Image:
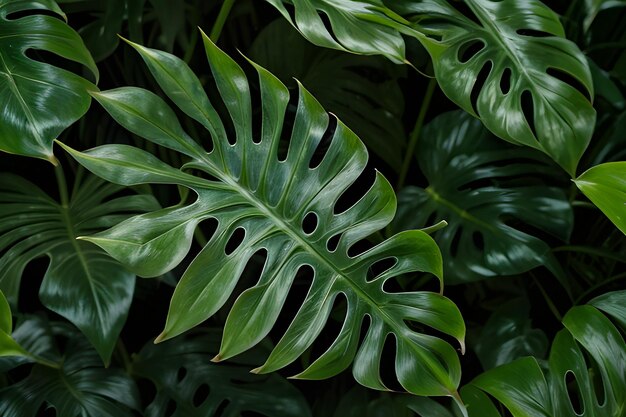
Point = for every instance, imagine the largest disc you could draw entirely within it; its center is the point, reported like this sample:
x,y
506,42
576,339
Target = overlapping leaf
x,y
79,386
586,376
183,374
474,184
265,201
82,283
33,93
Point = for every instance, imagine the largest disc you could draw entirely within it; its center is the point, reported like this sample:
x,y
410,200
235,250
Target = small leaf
x,y
605,186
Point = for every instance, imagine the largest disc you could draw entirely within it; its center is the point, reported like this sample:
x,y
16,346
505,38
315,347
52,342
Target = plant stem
x,y
45,362
599,285
58,171
216,31
551,305
415,134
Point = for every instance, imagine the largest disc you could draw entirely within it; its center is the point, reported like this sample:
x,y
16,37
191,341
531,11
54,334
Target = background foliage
x,y
504,119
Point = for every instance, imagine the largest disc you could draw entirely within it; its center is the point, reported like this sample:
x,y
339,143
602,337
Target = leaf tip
x,y
160,338
217,358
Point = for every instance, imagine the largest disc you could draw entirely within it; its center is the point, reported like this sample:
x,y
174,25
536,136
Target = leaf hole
x,y
534,33
399,283
324,144
478,85
573,392
287,129
46,410
529,111
379,267
359,247
309,223
180,375
170,409
387,368
356,191
505,81
478,240
201,394
465,10
208,227
148,391
48,57
220,411
235,240
570,80
257,114
23,13
470,49
331,329
333,242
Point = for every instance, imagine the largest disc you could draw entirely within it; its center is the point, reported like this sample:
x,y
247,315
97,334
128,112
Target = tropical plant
x,y
473,149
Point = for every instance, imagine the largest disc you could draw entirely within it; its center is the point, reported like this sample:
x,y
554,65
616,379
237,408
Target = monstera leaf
x,y
362,91
183,374
82,283
78,386
589,382
474,185
282,209
39,100
513,68
605,185
360,26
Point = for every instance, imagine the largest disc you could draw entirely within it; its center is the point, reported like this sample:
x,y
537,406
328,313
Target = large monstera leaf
x,y
76,386
183,374
474,184
586,375
265,202
39,100
82,283
514,54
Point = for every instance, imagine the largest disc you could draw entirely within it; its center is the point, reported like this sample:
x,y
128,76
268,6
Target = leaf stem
x,y
58,171
415,134
216,31
45,362
549,302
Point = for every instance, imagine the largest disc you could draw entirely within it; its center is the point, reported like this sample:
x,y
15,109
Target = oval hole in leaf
x,y
180,375
569,79
454,244
573,392
235,240
378,267
201,394
505,81
478,85
478,240
46,410
529,111
208,227
333,242
359,247
221,408
170,409
469,49
324,144
148,391
287,129
309,223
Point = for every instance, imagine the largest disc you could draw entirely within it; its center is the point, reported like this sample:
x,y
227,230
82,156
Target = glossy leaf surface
x,y
474,185
33,92
81,283
587,369
8,345
605,185
264,201
79,387
182,372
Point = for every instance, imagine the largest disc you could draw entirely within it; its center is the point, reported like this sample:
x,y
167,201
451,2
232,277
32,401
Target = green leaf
x,y
520,49
605,186
182,373
360,26
482,188
587,369
34,336
362,91
508,335
80,387
81,283
267,200
8,345
33,92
